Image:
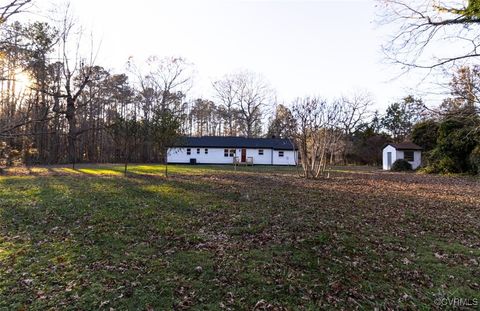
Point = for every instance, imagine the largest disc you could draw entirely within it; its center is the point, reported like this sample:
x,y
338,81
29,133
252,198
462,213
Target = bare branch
x,y
11,8
424,28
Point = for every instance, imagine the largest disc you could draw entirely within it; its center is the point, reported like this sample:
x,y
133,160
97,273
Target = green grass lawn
x,y
211,238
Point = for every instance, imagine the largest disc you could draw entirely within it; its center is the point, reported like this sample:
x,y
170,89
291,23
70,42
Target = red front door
x,y
244,155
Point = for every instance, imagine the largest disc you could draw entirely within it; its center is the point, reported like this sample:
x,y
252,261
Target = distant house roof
x,y
235,142
404,146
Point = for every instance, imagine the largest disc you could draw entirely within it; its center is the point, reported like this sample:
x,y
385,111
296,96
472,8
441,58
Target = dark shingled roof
x,y
235,142
405,146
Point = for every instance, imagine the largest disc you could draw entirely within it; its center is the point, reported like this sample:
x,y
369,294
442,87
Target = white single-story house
x,y
230,150
408,151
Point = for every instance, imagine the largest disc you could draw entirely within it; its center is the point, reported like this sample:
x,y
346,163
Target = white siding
x,y
265,159
386,150
399,154
417,158
289,157
216,156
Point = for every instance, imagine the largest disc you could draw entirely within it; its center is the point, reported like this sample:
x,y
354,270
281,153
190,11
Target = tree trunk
x,y
72,130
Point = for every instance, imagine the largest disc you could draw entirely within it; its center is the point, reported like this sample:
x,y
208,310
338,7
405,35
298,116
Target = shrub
x,y
401,165
447,165
455,144
475,160
429,169
425,134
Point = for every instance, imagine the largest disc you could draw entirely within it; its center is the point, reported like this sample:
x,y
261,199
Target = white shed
x,y
408,151
229,150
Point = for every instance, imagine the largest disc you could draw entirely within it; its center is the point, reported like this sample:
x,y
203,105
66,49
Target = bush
x,y
401,165
447,165
475,160
425,134
429,169
455,144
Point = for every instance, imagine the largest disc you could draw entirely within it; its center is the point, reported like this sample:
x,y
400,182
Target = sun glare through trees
x,y
239,155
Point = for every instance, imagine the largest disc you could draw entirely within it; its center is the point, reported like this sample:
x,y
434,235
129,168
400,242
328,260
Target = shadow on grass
x,y
81,242
93,243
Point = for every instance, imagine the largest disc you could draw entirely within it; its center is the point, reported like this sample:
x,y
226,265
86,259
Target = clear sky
x,y
325,48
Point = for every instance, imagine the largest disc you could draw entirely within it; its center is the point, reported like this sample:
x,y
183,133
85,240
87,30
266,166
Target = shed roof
x,y
404,146
235,142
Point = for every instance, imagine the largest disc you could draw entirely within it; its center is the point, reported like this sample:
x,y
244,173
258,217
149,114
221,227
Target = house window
x,y
189,151
229,152
206,151
280,154
260,151
408,155
198,150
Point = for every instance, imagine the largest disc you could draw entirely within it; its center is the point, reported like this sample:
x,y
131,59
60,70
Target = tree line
x,y
57,105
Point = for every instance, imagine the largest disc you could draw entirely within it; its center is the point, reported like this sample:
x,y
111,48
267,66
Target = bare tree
x,y
317,130
56,106
353,111
226,92
76,74
162,90
430,33
170,76
253,95
282,124
464,103
165,80
204,117
247,92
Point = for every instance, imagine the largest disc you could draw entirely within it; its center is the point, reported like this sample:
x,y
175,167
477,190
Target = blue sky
x,y
325,48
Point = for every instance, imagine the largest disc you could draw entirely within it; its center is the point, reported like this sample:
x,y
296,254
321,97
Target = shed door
x,y
389,160
244,155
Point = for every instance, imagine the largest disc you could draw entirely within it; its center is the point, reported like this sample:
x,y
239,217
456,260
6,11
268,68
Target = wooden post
x,y
166,163
126,147
74,157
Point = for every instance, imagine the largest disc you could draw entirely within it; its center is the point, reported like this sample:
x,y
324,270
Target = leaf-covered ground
x,y
211,238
